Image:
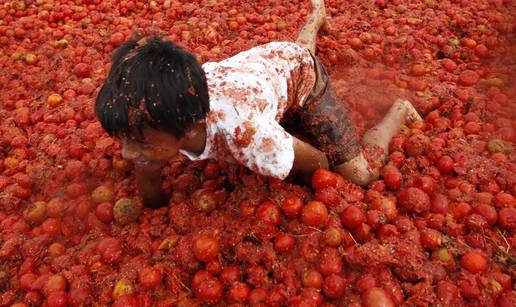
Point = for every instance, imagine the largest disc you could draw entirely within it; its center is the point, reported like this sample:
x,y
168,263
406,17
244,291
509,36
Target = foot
x,y
319,12
411,113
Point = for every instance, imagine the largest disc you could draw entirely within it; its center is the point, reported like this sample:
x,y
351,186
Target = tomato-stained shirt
x,y
249,94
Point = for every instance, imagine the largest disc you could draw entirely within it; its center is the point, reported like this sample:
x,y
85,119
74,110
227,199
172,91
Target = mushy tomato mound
x,y
437,228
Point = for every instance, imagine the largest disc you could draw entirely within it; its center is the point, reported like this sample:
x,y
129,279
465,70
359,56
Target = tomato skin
x,y
110,249
314,214
334,286
239,292
209,290
447,292
292,206
439,204
445,164
507,218
328,195
230,274
269,213
284,243
104,212
51,226
449,178
204,200
57,299
426,183
205,248
323,178
431,238
474,262
330,263
82,70
144,300
506,299
199,277
392,177
150,277
376,297
365,282
488,213
126,301
333,236
55,283
80,296
312,279
468,78
352,217
27,280
415,200
257,296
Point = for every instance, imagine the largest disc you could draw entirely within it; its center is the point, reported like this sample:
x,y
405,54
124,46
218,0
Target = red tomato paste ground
x,y
437,229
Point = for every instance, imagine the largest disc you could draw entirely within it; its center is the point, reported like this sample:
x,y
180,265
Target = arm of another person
x,y
307,158
148,179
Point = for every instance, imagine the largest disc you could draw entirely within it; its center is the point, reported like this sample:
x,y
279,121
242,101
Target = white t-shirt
x,y
249,94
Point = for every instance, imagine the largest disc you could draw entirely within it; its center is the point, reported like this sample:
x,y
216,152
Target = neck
x,y
195,139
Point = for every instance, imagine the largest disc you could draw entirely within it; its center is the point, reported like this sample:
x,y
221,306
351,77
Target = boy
x,y
158,100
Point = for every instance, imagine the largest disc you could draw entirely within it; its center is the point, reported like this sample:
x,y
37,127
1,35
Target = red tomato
x,y
392,177
468,78
209,290
329,195
55,283
312,279
230,275
26,281
126,301
431,238
269,213
323,178
110,250
474,262
445,164
334,286
314,214
205,248
257,296
104,212
57,299
239,292
284,242
51,226
376,297
150,277
352,217
292,206
415,200
507,218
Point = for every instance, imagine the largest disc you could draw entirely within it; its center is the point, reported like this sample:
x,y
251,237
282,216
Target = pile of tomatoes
x,y
437,228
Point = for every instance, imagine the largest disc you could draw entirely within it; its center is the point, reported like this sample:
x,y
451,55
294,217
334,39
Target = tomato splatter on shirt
x,y
249,94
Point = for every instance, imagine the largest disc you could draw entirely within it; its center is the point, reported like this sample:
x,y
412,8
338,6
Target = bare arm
x,y
307,158
148,179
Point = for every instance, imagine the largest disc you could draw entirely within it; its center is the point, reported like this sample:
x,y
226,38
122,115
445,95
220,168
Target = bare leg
x,y
380,135
317,19
358,169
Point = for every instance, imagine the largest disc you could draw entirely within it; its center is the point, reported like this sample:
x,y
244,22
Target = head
x,y
154,94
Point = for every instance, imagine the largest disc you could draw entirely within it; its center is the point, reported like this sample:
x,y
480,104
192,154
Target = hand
x,y
308,158
148,178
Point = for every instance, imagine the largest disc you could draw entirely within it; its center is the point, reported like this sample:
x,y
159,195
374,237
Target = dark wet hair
x,y
152,83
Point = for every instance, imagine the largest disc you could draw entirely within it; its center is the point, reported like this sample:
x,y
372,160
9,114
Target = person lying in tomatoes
x,y
158,100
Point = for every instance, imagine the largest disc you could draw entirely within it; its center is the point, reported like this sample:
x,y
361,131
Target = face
x,y
158,146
